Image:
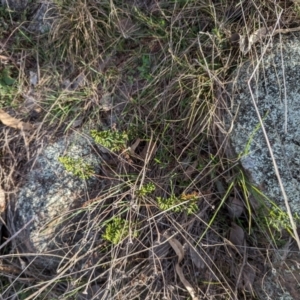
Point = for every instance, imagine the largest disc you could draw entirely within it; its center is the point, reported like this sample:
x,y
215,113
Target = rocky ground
x,y
134,164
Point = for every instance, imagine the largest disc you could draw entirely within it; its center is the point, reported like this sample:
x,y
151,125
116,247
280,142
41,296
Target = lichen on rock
x,y
50,192
274,87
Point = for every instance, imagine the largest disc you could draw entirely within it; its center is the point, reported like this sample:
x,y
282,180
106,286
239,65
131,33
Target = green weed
x,y
177,204
110,139
8,88
146,189
145,68
5,77
77,166
279,219
297,9
117,230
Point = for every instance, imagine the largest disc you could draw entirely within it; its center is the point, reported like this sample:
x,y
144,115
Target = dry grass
x,y
166,65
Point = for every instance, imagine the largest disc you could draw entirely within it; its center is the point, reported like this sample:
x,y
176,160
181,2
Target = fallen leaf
x,y
235,207
237,235
9,121
4,57
178,248
77,122
134,146
234,38
2,208
2,200
187,285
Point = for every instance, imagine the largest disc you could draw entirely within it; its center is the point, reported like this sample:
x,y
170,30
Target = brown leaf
x,y
77,122
2,200
234,38
4,57
134,146
9,121
186,284
178,248
236,235
235,207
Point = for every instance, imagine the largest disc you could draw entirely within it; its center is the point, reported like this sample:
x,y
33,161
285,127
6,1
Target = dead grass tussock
x,y
166,65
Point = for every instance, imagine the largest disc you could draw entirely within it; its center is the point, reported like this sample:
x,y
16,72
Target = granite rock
x,y
50,192
274,88
43,17
266,90
16,5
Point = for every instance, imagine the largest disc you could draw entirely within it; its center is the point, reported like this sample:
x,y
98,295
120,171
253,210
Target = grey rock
x,y
276,92
43,17
50,192
16,5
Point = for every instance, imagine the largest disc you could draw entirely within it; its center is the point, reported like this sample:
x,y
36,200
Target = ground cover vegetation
x,y
178,220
